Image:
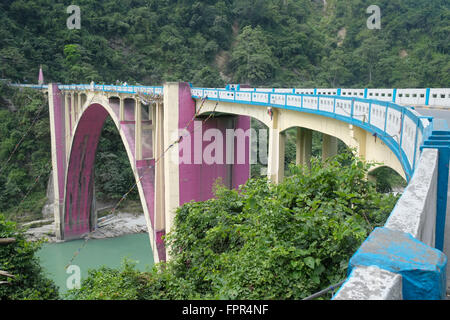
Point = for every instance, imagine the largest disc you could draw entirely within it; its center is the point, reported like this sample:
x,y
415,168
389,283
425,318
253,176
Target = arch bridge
x,y
164,130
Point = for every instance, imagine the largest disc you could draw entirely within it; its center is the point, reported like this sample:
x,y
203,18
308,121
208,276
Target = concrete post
x,y
171,170
79,105
275,163
138,130
58,131
73,113
121,109
158,150
67,121
329,146
303,147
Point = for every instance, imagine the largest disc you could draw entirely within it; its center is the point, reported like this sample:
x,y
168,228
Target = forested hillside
x,y
299,43
210,43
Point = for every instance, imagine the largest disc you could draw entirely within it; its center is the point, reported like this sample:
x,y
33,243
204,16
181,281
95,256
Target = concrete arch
x,y
78,193
367,146
257,112
381,165
260,114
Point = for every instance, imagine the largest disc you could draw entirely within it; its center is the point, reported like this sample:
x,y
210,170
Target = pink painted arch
x,y
79,186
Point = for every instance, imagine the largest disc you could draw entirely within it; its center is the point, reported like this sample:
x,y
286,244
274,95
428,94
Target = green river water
x,y
97,252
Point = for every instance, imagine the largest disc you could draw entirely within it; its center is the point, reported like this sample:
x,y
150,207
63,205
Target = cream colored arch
x,y
368,147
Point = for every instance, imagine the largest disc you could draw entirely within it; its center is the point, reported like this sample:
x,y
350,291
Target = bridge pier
x,y
329,146
303,147
275,159
188,173
58,132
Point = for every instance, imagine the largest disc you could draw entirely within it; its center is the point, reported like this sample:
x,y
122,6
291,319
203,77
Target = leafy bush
x,y
18,258
263,241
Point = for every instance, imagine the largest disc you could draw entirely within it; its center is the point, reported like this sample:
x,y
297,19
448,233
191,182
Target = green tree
x,y
263,241
19,259
252,59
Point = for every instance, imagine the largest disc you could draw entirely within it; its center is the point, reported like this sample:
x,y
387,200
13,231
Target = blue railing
x,y
401,128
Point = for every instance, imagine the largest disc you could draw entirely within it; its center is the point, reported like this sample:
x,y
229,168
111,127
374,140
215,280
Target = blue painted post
x,y
365,93
422,268
351,110
440,140
338,91
441,205
427,96
394,95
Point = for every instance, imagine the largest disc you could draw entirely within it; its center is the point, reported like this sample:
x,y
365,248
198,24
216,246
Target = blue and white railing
x,y
401,128
410,97
114,88
414,97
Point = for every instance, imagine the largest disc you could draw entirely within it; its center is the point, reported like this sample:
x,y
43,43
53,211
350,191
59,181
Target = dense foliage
x,y
24,152
209,43
18,259
299,43
301,232
264,241
113,174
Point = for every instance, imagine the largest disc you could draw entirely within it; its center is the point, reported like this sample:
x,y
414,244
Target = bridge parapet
x,y
401,128
399,261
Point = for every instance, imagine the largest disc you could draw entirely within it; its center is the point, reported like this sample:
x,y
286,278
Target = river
x,y
96,252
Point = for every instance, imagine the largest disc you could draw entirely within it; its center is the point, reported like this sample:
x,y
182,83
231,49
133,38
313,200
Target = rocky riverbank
x,y
117,225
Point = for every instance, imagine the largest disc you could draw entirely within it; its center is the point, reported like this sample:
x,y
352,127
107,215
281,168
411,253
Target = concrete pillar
x,y
186,179
329,146
68,124
157,116
121,109
358,140
79,105
303,146
275,161
73,111
138,130
58,131
171,167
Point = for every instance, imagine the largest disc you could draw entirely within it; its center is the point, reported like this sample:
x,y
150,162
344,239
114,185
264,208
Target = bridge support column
x,y
138,130
68,121
329,146
275,161
303,147
58,132
195,159
72,109
121,109
79,105
359,137
158,149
